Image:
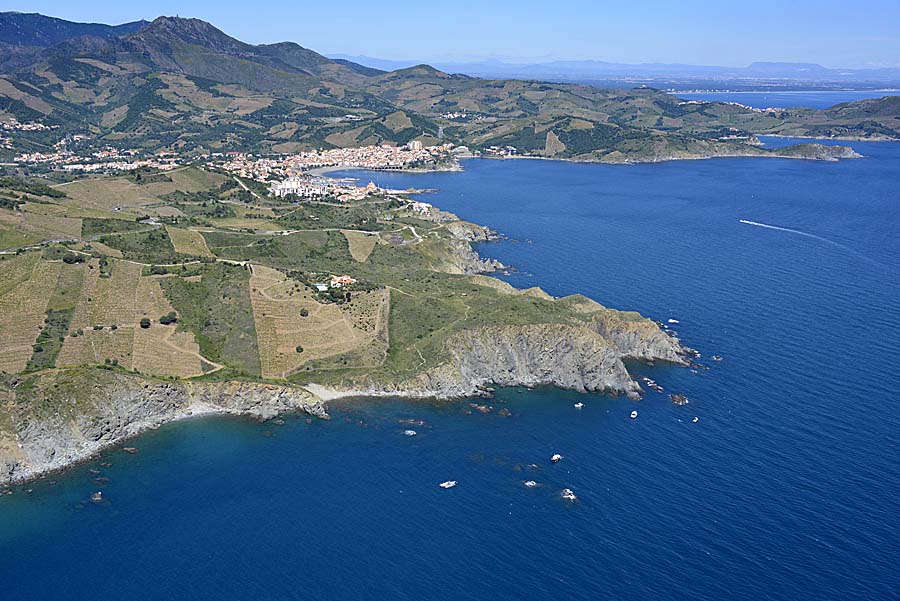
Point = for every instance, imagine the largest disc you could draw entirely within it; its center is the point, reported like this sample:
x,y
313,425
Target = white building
x,y
300,187
421,208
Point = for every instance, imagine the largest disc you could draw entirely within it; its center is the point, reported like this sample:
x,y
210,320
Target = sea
x,y
817,99
779,480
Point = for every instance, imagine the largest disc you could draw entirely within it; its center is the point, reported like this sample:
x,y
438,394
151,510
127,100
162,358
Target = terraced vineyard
x,y
160,288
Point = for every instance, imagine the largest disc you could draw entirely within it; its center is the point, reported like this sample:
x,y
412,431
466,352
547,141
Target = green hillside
x,y
182,84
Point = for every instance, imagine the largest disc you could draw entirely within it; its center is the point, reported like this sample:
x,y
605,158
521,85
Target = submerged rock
x,y
679,399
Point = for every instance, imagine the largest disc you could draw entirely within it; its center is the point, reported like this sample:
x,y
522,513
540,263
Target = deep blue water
x,y
817,99
787,488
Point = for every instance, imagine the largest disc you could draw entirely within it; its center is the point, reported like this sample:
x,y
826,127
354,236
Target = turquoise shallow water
x,y
787,488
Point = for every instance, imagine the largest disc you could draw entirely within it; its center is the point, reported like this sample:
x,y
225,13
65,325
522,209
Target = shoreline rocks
x,y
98,409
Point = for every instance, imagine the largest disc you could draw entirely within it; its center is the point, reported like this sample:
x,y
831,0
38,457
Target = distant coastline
x,y
321,171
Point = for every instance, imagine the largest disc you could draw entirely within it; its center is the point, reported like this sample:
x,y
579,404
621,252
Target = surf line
x,y
808,235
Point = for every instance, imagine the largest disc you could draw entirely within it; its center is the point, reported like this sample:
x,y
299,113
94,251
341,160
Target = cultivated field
x,y
188,242
22,312
108,193
107,301
361,245
97,346
162,351
327,330
123,299
239,223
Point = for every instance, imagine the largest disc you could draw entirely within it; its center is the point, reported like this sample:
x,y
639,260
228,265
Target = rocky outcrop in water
x,y
70,415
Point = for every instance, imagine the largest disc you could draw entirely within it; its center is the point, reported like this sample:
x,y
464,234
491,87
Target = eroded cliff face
x,y
571,357
464,259
67,416
587,356
461,257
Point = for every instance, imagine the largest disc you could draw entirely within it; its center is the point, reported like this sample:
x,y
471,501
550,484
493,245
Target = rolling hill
x,y
182,84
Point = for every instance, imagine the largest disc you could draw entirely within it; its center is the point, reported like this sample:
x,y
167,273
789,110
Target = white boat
x,y
530,483
634,415
674,321
409,432
448,484
695,420
579,405
568,495
555,458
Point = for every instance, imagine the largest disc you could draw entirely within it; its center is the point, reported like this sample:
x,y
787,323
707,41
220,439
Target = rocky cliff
x,y
461,257
587,357
60,417
67,416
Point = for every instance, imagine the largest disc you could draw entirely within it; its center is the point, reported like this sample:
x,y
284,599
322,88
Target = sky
x,y
833,33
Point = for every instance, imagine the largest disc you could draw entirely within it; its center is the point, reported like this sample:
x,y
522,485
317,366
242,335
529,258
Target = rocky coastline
x,y
71,415
578,358
62,417
808,151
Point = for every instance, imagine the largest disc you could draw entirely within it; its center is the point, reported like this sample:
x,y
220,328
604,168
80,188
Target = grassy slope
x,y
213,299
237,97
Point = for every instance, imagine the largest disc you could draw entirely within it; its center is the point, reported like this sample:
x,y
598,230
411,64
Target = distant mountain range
x,y
33,29
184,85
589,70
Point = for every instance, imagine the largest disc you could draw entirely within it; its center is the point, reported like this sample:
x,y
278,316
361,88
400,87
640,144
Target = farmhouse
x,y
341,280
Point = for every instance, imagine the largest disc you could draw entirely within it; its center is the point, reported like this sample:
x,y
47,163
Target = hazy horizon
x,y
831,34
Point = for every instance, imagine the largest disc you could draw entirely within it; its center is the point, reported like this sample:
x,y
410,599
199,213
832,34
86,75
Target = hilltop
x,y
182,84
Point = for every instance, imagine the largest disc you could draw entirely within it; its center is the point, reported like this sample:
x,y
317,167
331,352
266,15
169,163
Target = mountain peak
x,y
421,71
192,31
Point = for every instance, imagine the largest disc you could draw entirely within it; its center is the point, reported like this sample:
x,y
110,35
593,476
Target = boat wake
x,y
787,229
808,235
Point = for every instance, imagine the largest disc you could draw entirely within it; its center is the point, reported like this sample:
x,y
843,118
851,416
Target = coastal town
x,y
106,159
411,156
293,176
301,176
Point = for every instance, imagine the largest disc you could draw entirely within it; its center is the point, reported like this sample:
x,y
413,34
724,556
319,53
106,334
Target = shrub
x,y
72,258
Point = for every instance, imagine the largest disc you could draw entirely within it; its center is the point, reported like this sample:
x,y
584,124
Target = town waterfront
x,y
787,487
